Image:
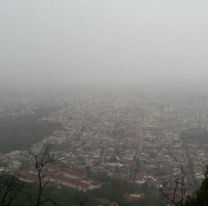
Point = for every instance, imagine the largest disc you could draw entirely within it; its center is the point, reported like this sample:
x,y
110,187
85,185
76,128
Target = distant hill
x,y
21,132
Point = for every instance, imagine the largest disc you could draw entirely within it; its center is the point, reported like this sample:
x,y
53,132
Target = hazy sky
x,y
59,41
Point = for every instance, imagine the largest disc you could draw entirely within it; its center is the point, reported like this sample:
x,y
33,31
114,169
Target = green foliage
x,y
201,196
10,188
63,196
114,190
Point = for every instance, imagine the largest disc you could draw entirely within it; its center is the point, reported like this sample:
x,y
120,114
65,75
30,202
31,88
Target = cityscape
x,y
142,137
103,103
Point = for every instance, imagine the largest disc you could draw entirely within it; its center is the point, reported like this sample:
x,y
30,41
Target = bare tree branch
x,y
10,187
175,191
42,160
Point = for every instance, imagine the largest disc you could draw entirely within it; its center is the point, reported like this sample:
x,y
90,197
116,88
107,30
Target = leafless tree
x,y
42,160
10,187
175,191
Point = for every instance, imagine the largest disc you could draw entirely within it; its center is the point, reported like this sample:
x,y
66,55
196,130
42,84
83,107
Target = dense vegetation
x,y
113,191
201,196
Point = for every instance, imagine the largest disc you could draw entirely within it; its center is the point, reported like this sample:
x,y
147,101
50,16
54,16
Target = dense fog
x,y
88,42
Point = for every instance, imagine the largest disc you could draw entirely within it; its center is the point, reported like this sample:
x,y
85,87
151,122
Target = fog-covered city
x,y
103,103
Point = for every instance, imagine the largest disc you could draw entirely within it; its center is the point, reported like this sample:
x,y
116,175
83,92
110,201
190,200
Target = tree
x,y
201,196
10,187
176,191
42,160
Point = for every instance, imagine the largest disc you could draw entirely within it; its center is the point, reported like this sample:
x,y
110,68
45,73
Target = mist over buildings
x,y
54,43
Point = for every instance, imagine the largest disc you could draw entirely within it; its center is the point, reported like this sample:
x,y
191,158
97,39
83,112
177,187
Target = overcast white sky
x,y
58,41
